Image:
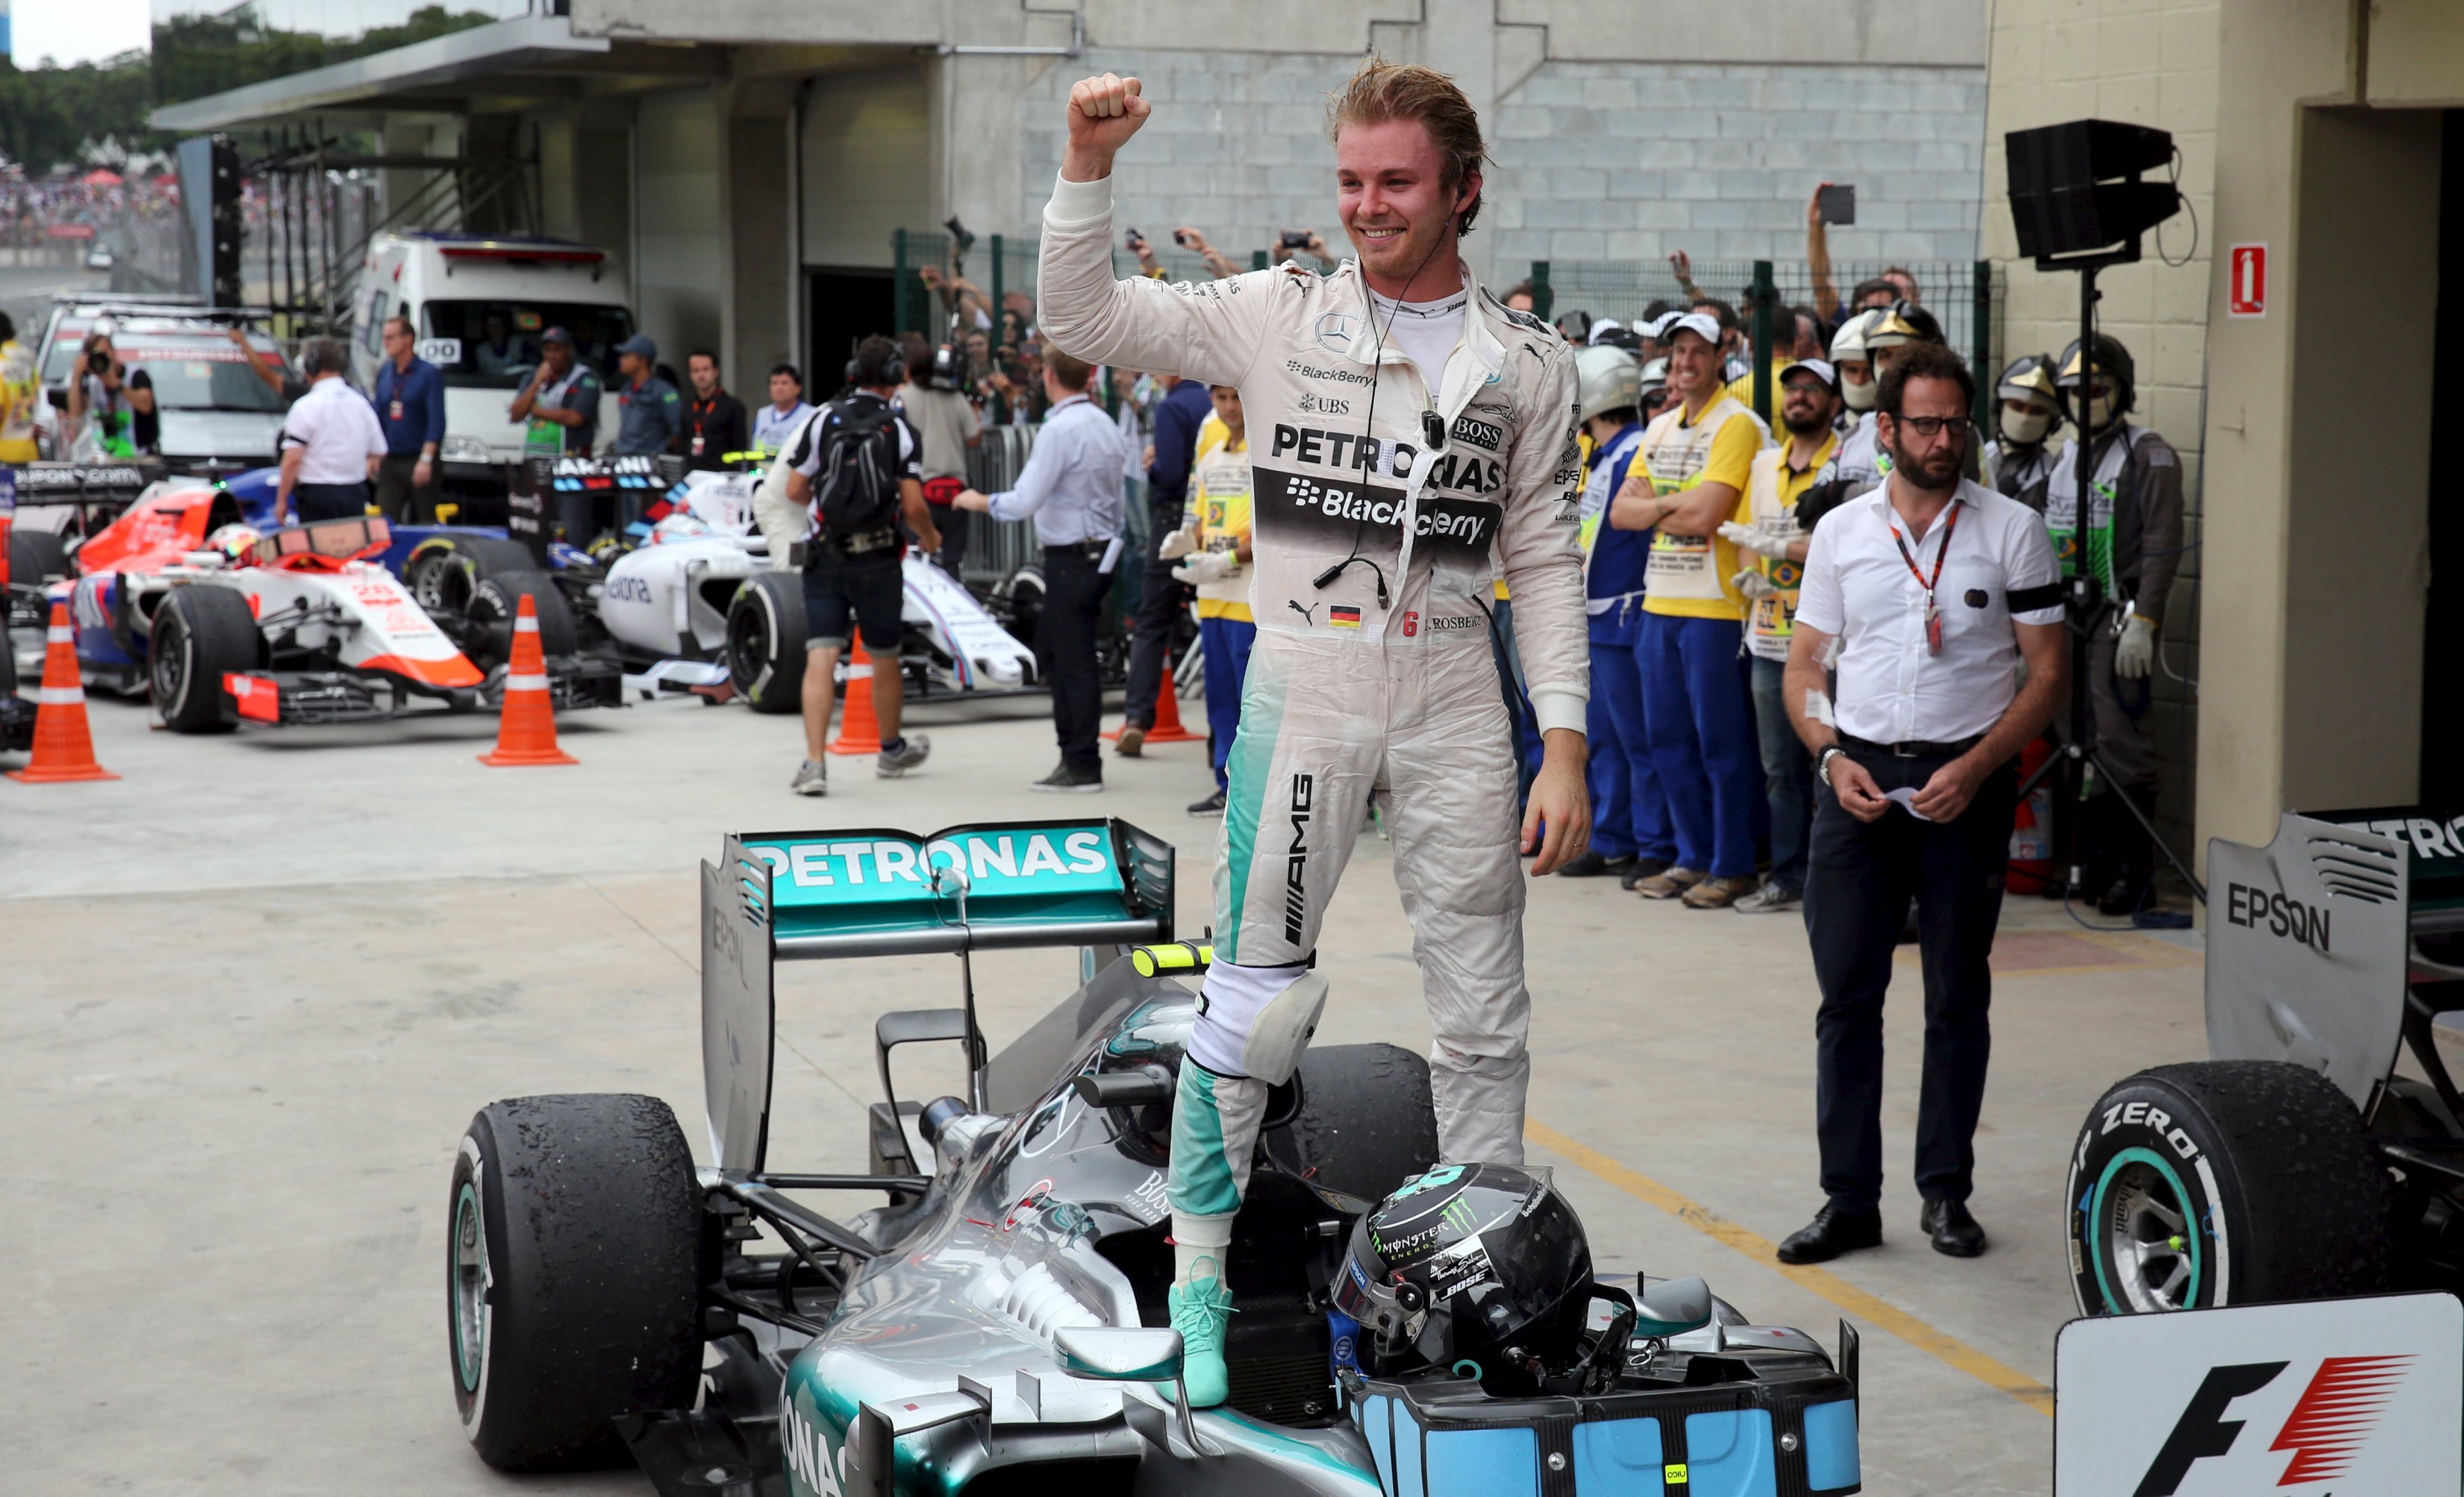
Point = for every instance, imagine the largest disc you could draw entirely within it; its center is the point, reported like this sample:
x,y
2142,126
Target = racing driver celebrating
x,y
1409,434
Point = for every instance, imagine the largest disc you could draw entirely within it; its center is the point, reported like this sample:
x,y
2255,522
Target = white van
x,y
479,305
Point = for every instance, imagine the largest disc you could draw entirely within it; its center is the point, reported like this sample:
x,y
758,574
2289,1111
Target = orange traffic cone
x,y
859,729
64,747
527,724
1167,727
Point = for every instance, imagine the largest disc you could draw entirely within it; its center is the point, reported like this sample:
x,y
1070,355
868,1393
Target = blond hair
x,y
1380,90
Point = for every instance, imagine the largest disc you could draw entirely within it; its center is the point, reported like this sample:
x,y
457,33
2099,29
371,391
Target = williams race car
x,y
224,625
997,1323
700,586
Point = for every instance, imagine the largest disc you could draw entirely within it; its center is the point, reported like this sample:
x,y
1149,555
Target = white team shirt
x,y
338,428
1857,588
1425,331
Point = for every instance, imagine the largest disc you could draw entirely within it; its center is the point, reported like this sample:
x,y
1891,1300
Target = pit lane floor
x,y
256,987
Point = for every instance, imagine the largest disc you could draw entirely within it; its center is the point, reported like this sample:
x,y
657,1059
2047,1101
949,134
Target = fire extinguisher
x,y
2032,826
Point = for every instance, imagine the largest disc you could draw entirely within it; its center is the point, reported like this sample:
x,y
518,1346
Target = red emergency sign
x,y
2246,288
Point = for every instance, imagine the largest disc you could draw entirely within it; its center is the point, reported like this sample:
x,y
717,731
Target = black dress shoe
x,y
1830,1233
1591,865
1953,1230
1640,869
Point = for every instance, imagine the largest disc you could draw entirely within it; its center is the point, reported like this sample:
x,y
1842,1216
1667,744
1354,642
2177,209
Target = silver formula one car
x,y
997,1324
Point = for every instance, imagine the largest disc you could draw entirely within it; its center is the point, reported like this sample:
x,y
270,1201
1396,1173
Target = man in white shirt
x,y
1935,589
773,424
331,442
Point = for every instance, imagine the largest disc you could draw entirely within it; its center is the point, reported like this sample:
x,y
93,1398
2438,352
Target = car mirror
x,y
1115,1353
1672,1308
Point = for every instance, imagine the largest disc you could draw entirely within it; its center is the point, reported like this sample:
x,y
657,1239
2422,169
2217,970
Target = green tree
x,y
48,114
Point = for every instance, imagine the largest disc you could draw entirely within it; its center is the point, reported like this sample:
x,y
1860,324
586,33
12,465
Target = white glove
x,y
2134,654
1176,543
1749,538
1207,567
1753,583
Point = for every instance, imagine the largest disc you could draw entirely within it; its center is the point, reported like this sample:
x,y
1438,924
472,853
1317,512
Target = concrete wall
x,y
867,153
2318,568
680,252
1593,160
2154,64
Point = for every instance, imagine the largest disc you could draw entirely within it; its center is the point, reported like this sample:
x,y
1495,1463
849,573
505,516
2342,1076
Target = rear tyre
x,y
1367,1122
201,633
572,1276
443,571
2225,1182
765,642
497,602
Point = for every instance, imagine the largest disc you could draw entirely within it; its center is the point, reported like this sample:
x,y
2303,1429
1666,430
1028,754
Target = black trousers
x,y
316,501
1858,881
952,522
1065,650
1163,601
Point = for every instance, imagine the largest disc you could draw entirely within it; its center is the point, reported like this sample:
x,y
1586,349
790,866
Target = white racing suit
x,y
1383,679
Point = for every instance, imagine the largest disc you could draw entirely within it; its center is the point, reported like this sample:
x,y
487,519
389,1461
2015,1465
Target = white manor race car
x,y
700,605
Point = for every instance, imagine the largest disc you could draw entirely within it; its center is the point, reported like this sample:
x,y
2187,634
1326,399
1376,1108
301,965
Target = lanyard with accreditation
x,y
1932,613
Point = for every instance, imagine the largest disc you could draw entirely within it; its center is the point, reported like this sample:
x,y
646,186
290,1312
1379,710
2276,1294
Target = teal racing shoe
x,y
1201,1312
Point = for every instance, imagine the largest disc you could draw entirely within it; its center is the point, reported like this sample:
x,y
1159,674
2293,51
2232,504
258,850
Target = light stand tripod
x,y
2084,609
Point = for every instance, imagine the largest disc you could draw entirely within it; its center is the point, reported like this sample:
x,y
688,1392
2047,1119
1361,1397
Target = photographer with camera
x,y
111,407
935,402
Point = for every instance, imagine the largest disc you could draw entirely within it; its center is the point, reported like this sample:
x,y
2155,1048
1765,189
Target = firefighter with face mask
x,y
2129,540
1858,384
2027,408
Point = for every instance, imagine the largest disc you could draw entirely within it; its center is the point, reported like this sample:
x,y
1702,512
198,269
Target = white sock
x,y
1199,1247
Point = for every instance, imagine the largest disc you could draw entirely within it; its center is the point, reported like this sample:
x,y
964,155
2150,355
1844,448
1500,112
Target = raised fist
x,y
1104,113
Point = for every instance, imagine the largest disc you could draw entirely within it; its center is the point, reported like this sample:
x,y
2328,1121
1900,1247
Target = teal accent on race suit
x,y
1248,768
837,883
1201,1181
1201,1312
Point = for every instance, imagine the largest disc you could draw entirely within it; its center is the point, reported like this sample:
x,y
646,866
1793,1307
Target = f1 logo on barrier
x,y
2326,1431
2321,1399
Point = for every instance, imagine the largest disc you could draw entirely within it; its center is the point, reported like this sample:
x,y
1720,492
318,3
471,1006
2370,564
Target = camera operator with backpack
x,y
855,464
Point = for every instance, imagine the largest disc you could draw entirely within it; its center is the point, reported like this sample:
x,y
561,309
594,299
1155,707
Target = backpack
x,y
855,490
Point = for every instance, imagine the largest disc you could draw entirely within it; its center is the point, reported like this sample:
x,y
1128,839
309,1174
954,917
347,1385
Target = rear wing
x,y
81,483
819,895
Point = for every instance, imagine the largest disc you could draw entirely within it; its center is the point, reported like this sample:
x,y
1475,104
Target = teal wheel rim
x,y
2144,1237
467,1280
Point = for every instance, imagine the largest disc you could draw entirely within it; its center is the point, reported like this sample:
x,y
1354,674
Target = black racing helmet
x,y
1479,1269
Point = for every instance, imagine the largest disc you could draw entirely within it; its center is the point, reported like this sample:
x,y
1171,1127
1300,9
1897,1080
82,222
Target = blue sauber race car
x,y
996,1322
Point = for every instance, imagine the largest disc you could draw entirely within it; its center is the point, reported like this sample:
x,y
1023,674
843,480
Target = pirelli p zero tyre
x,y
572,1276
201,633
443,571
2225,1182
496,601
1365,1122
765,641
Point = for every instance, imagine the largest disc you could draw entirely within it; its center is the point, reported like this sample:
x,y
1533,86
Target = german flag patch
x,y
1342,617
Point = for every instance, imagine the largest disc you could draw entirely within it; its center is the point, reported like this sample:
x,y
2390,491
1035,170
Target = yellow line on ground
x,y
1864,1307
